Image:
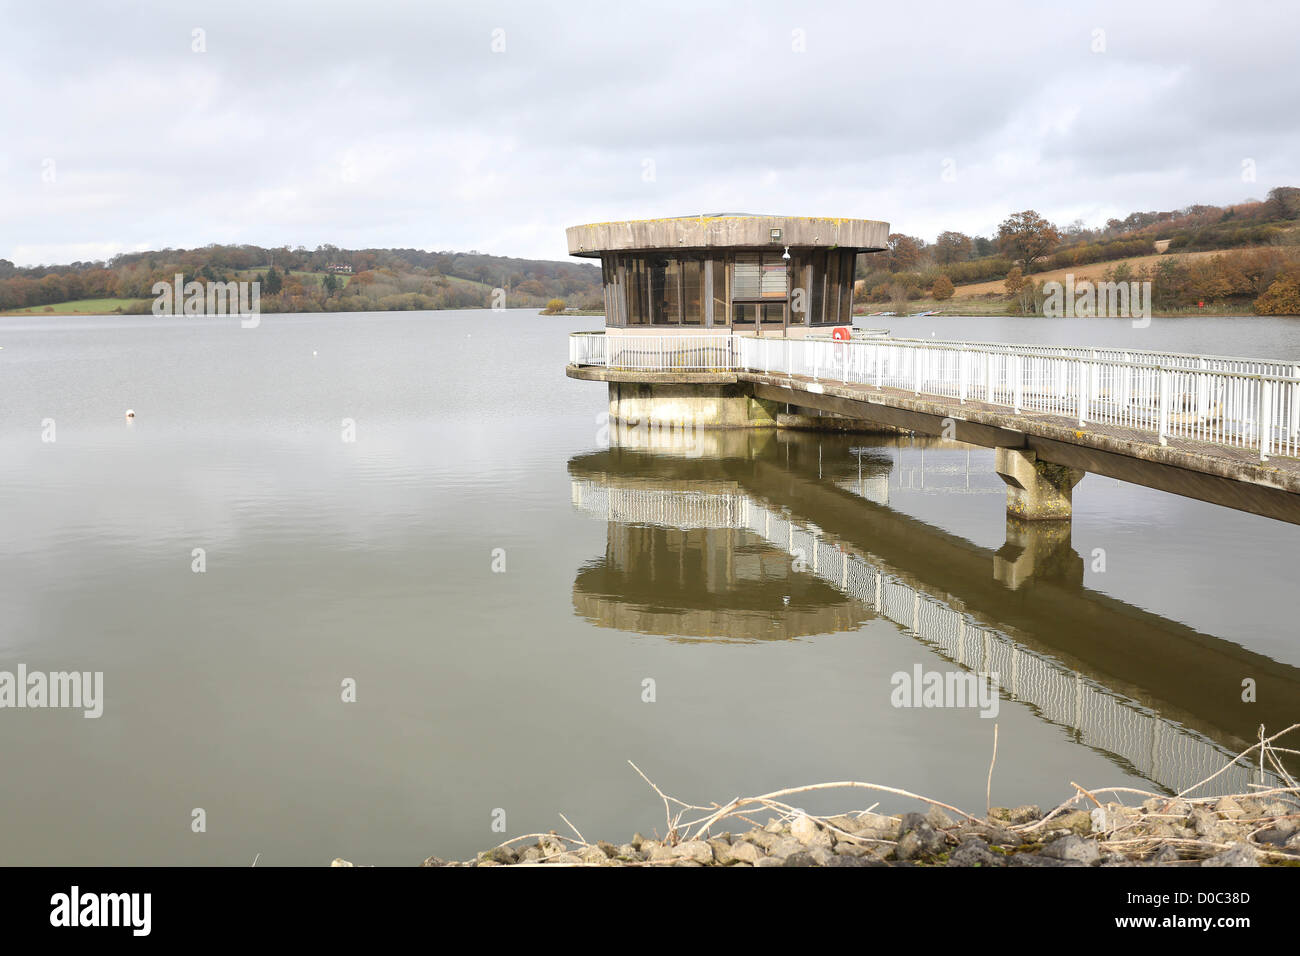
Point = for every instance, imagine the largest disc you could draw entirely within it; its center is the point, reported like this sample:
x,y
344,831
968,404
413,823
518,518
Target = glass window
x,y
747,279
721,300
832,287
773,313
692,292
744,313
665,293
818,297
775,281
846,299
636,292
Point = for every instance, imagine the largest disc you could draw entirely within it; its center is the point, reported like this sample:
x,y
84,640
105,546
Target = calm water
x,y
740,576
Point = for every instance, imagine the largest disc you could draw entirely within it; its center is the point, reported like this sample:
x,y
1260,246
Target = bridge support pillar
x,y
1037,550
1036,490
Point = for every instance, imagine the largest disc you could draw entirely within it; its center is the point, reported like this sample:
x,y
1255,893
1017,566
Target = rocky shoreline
x,y
1162,831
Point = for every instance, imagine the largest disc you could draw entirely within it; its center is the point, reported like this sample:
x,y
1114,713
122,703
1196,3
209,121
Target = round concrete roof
x,y
727,231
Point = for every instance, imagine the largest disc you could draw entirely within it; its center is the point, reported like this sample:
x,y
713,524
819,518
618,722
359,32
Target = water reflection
x,y
737,536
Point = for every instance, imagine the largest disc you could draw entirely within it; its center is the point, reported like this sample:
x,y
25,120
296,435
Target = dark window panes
x,y
665,296
744,313
818,298
846,299
692,292
636,293
720,298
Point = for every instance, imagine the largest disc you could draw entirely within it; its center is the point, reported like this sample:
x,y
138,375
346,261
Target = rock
x,y
1037,859
696,850
1228,807
923,840
431,861
1166,854
745,852
877,826
844,822
629,851
869,860
499,854
973,852
1239,854
1273,836
806,831
531,854
816,856
1206,824
1078,822
1072,848
848,848
784,847
660,853
1026,814
593,854
938,819
770,861
1251,806
566,859
722,852
1099,821
339,861
990,833
1000,814
637,840
762,838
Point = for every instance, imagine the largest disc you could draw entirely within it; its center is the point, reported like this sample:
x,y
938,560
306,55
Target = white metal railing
x,y
705,352
1217,399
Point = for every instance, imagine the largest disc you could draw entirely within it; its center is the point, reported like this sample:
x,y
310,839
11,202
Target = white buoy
x,y
130,414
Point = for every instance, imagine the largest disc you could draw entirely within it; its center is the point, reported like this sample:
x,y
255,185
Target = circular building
x,y
777,275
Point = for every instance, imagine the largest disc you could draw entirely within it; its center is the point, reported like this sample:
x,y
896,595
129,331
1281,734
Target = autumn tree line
x,y
1261,276
327,279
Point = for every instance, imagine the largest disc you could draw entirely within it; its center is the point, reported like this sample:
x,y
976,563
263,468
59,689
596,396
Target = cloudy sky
x,y
493,126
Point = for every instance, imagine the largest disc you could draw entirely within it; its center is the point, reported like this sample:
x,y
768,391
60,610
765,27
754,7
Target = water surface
x,y
373,561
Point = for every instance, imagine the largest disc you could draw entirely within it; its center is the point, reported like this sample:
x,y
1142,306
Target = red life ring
x,y
841,333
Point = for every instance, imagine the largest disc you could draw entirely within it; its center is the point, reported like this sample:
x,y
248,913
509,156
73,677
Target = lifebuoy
x,y
841,333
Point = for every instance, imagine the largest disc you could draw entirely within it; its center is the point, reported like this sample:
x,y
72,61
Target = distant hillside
x,y
327,279
1243,256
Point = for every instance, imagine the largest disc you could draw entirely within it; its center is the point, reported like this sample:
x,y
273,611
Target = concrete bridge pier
x,y
1037,550
1036,490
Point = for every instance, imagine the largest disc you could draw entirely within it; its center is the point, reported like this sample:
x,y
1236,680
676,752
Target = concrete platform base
x,y
1036,490
693,406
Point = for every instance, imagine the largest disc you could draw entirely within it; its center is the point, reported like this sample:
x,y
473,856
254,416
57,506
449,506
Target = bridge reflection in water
x,y
758,537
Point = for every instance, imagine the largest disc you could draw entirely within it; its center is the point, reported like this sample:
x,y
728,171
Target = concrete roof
x,y
726,231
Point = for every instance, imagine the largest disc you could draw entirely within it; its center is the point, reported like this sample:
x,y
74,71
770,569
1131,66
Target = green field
x,y
78,307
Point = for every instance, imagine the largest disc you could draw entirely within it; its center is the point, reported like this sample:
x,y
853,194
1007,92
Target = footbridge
x,y
1221,429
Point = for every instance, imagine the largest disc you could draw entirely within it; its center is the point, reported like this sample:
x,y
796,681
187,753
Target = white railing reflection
x,y
1160,749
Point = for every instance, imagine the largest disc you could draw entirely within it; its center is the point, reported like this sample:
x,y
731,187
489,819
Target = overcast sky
x,y
379,123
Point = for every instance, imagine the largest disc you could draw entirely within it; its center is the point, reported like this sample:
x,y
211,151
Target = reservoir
x,y
420,512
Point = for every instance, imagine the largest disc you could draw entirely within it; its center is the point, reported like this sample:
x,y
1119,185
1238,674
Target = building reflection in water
x,y
742,536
